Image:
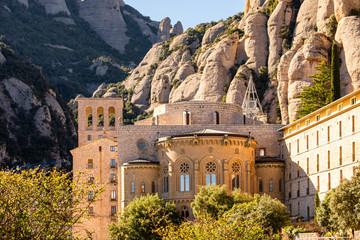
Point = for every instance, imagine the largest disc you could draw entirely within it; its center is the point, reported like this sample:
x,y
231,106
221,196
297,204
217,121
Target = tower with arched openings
x,y
98,117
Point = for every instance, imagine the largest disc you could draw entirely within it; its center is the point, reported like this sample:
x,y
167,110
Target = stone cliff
x,y
279,42
35,123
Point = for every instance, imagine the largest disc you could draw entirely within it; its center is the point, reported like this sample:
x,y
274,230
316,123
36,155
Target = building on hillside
x,y
320,150
183,146
190,144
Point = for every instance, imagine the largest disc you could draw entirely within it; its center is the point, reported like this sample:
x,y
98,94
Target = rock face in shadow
x,y
279,46
35,123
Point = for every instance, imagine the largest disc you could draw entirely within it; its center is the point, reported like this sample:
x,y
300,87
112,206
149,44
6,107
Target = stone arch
x,y
207,170
236,171
184,174
100,116
89,117
112,116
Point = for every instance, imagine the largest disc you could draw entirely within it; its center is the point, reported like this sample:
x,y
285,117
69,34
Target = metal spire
x,y
251,105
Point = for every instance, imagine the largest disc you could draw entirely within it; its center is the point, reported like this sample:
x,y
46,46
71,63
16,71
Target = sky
x,y
188,12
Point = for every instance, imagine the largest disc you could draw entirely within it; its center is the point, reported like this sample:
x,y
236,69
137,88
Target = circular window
x,y
184,168
141,145
210,167
235,167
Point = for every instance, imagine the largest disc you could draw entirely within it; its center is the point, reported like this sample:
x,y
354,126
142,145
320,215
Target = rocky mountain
x,y
80,43
278,42
35,123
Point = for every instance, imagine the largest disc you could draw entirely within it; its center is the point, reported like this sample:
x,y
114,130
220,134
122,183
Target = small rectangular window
x,y
353,152
317,138
290,130
153,187
132,187
262,152
91,195
340,107
280,185
317,162
328,133
340,129
100,136
112,148
307,122
298,127
297,146
90,163
112,163
329,181
318,183
340,155
307,166
328,159
341,175
91,178
307,142
328,112
353,101
317,117
113,195
91,210
89,137
271,186
113,210
353,123
113,177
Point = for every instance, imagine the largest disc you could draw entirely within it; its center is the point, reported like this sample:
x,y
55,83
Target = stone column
x,y
196,177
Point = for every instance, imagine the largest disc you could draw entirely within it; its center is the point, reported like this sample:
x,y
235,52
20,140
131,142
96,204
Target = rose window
x,y
166,169
210,167
184,168
235,167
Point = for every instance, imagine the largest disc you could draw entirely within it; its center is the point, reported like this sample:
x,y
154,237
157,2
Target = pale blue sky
x,y
190,13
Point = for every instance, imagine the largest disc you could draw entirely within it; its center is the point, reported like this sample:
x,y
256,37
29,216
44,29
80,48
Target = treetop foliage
x,y
340,208
319,94
36,204
142,216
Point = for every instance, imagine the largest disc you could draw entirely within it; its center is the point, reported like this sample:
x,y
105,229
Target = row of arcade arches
x,y
98,118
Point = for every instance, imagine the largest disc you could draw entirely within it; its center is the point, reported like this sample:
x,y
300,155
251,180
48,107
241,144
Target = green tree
x,y
335,70
36,204
142,217
324,216
211,200
209,228
317,203
319,94
345,202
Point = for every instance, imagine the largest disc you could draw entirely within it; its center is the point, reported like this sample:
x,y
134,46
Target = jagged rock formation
x,y
35,123
279,44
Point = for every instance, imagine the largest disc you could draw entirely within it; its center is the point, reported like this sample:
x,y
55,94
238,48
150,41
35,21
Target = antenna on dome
x,y
251,105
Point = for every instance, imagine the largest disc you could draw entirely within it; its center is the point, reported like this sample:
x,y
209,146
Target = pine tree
x,y
335,71
319,94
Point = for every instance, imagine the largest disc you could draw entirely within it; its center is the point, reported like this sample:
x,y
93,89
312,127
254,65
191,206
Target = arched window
x,y
184,211
89,117
217,117
260,186
132,187
111,114
184,177
143,187
271,186
100,116
166,179
235,181
186,118
210,173
153,187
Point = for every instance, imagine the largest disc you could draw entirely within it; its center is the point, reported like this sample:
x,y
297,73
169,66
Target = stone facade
x,y
184,146
320,150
